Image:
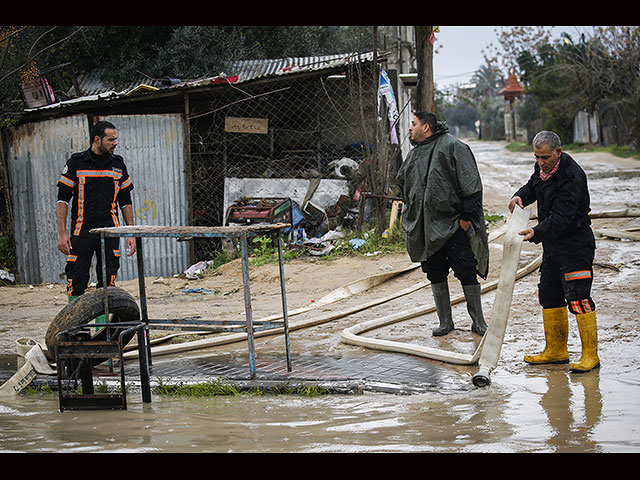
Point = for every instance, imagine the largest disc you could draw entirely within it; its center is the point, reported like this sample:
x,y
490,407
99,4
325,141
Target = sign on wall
x,y
246,125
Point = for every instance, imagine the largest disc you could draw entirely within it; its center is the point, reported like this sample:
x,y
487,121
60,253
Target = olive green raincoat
x,y
434,178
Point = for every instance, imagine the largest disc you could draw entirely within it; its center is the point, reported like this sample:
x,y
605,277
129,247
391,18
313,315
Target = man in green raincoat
x,y
443,217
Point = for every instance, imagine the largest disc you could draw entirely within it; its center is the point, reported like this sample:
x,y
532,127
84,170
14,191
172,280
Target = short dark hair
x,y
428,118
98,129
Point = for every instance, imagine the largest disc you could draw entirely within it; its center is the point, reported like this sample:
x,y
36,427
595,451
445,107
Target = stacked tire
x,y
86,308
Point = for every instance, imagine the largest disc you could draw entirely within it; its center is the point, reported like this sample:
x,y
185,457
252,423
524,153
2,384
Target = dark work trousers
x,y
455,255
566,280
79,263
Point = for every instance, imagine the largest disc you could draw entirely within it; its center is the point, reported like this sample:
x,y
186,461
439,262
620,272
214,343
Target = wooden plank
x,y
186,231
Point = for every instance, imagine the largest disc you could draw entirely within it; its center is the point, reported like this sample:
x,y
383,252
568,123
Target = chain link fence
x,y
295,128
291,134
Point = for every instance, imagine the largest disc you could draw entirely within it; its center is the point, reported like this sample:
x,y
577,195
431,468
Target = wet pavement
x,y
381,372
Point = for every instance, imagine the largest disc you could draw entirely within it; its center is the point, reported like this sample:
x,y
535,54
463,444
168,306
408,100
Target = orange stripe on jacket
x,y
66,181
114,212
98,173
80,219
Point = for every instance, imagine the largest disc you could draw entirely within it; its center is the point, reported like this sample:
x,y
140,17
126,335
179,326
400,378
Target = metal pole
x,y
285,316
103,254
244,248
104,281
143,345
142,291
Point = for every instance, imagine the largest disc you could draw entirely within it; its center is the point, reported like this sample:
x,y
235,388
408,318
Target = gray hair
x,y
546,138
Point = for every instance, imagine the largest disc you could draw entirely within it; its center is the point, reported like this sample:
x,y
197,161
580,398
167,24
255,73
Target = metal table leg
x,y
244,248
283,294
103,255
145,361
142,290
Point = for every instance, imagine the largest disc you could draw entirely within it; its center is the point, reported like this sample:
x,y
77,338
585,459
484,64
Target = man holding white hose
x,y
559,185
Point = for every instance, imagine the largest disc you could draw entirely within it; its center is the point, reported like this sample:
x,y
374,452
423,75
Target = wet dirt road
x,y
525,409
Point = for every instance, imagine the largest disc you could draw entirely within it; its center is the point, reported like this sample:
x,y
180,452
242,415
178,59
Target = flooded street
x,y
518,413
539,409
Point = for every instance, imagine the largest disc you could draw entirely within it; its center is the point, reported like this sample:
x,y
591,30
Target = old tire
x,y
86,308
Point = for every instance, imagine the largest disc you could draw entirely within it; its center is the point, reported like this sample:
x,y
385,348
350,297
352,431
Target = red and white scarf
x,y
547,176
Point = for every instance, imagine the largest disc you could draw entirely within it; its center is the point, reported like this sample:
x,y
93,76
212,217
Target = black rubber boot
x,y
473,296
443,308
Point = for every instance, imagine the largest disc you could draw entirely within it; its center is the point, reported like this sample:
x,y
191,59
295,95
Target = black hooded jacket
x,y
563,208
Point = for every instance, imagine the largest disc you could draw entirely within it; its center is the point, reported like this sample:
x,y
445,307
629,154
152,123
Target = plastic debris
x,y
197,290
4,275
196,269
357,242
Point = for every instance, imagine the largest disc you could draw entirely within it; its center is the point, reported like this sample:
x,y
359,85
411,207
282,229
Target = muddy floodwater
x,y
553,412
524,409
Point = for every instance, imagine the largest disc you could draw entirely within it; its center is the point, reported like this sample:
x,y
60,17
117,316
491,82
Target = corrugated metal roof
x,y
252,69
94,88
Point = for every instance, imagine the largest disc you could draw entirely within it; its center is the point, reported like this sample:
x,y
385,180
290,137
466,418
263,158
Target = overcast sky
x,y
460,51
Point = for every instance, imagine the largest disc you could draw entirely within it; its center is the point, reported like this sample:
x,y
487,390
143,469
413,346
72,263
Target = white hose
x,y
31,361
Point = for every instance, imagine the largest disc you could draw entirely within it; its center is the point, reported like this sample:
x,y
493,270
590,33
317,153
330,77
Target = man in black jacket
x,y
94,182
559,185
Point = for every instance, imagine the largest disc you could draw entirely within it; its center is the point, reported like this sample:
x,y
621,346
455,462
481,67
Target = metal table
x,y
239,232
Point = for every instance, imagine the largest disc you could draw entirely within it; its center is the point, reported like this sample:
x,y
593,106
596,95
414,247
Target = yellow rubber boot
x,y
556,333
589,337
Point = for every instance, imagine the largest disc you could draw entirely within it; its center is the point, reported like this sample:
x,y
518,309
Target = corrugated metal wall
x,y
37,154
153,148
585,128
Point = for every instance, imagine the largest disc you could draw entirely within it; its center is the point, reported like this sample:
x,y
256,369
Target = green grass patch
x,y
216,388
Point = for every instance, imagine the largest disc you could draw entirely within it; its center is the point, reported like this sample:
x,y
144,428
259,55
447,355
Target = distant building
x,y
512,92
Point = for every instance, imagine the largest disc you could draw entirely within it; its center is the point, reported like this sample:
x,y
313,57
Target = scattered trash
x,y
332,235
198,290
344,168
357,242
196,269
256,210
300,235
4,275
324,251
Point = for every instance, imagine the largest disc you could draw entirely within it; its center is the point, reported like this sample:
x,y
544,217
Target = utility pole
x,y
424,57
